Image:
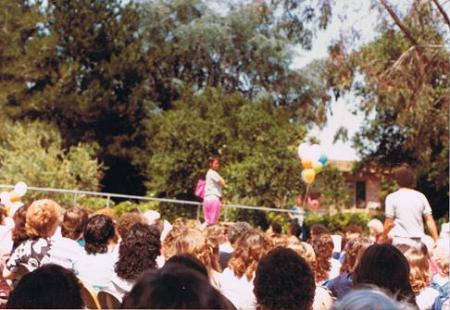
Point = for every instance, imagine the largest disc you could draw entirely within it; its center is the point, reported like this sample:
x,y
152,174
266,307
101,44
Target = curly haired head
x,y
386,267
73,223
353,250
18,232
127,220
419,275
42,218
284,280
194,242
138,251
99,231
249,249
441,257
236,230
318,230
323,248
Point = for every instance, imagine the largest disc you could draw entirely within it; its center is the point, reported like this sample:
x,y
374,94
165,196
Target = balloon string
x,y
306,196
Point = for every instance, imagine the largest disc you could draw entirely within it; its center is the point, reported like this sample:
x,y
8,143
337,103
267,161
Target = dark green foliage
x,y
337,222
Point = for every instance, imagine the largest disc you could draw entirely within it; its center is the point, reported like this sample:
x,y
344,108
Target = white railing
x,y
76,193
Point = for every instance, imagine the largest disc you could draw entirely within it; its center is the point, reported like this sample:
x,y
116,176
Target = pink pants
x,y
211,209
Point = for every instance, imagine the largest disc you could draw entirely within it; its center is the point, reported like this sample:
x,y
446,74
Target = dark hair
x,y
386,267
2,213
175,288
284,280
404,176
74,222
18,232
188,261
318,229
127,220
276,227
236,230
354,228
212,158
138,251
98,232
295,230
48,287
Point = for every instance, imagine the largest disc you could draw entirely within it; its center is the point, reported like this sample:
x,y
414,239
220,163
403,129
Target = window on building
x,y
360,194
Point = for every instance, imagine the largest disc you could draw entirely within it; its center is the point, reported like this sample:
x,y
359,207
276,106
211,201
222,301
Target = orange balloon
x,y
307,163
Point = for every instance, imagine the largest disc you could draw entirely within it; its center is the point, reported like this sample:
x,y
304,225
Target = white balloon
x,y
20,188
303,150
315,152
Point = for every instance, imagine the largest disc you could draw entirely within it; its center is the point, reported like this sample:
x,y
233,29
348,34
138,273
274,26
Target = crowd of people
x,y
51,256
145,262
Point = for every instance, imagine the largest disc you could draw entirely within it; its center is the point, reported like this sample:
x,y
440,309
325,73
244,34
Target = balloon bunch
x,y
313,161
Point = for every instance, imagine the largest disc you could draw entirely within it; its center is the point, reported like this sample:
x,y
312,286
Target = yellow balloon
x,y
307,163
308,175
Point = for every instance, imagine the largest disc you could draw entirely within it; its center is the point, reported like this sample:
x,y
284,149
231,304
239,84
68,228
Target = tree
x,y
33,153
406,94
256,141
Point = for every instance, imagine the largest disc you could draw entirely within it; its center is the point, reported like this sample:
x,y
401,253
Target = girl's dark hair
x,y
48,287
18,232
212,158
386,267
74,222
175,288
138,251
97,234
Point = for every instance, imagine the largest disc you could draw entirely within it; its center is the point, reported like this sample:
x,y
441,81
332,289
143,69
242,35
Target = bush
x,y
337,222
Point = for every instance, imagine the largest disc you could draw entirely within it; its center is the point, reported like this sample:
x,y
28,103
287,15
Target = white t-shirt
x,y
407,207
65,252
425,299
96,270
212,185
238,290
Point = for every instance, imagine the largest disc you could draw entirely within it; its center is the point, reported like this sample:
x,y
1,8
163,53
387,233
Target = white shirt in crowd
x,y
212,185
96,269
65,252
238,290
407,207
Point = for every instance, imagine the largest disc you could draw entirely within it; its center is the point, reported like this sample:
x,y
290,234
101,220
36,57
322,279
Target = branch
x,y
398,22
441,10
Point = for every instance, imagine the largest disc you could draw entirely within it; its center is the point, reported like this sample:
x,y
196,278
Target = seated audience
x,y
342,284
73,224
236,281
420,278
18,232
188,261
385,266
42,220
284,280
48,287
375,230
172,287
96,267
138,251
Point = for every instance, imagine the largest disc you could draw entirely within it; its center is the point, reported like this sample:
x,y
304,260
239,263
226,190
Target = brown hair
x,y
419,275
127,220
249,249
73,223
353,250
404,176
42,218
18,232
323,248
99,231
193,242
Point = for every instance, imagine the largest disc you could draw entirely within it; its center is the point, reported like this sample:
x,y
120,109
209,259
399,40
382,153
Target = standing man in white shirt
x,y
406,209
214,183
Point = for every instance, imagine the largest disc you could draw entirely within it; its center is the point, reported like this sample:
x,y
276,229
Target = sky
x,y
360,17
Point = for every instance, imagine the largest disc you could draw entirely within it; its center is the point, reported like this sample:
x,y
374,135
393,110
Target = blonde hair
x,y
42,218
442,260
249,248
194,242
419,275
